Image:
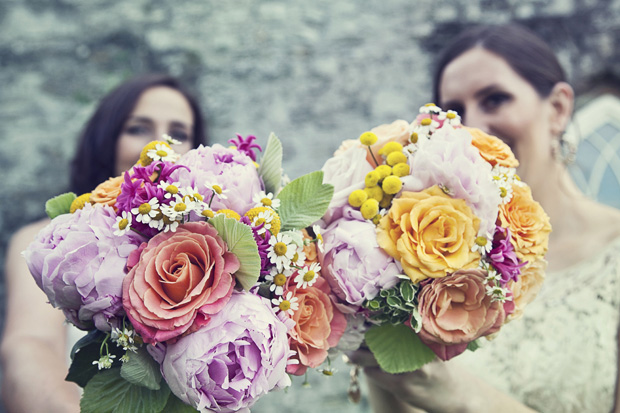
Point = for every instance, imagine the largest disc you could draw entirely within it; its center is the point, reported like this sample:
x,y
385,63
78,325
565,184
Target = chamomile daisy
x,y
430,109
218,190
266,199
319,238
170,189
146,211
288,304
123,224
170,140
308,275
281,250
482,243
161,152
278,279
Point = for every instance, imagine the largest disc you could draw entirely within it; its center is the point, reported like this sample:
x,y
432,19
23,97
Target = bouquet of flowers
x,y
431,239
196,276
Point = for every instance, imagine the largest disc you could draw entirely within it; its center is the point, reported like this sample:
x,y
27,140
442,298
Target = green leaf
x,y
240,241
84,352
141,370
397,348
59,205
270,169
304,200
473,345
109,392
406,291
177,406
394,302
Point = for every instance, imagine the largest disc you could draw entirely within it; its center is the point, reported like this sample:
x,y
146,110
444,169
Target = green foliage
x,y
240,241
395,305
175,405
270,169
473,345
84,352
59,205
142,370
304,200
397,348
107,392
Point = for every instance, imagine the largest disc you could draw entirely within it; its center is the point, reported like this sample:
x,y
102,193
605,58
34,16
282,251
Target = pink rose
x,y
456,310
179,280
318,326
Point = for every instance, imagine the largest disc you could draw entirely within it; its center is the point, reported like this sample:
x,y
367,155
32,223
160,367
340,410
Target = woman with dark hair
x,y
562,356
35,344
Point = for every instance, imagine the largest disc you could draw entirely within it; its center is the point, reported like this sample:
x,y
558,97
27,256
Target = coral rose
x,y
528,223
527,287
179,280
318,326
107,192
456,310
493,149
430,233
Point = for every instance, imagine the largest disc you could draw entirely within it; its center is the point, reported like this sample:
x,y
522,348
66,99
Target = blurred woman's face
x,y
159,110
488,94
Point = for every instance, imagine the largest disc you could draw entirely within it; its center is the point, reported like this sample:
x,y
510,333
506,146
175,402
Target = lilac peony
x,y
354,264
450,160
80,264
231,169
226,365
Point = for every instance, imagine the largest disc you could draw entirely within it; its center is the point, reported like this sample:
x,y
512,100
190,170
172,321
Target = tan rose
x,y
346,145
527,287
430,233
492,149
107,192
528,223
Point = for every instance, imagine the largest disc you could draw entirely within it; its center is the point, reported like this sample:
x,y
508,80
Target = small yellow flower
x,y
372,178
384,171
390,147
368,138
395,158
275,218
401,169
370,208
386,201
357,198
79,202
229,213
375,193
392,185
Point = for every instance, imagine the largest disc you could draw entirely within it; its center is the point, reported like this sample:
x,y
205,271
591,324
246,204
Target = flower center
x,y
280,248
217,189
295,257
145,208
450,115
161,153
208,213
279,279
309,276
180,207
266,201
426,122
482,241
503,192
172,189
198,197
259,221
123,224
285,305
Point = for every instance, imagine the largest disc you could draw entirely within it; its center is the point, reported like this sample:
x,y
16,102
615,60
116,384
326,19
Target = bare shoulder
x,y
27,233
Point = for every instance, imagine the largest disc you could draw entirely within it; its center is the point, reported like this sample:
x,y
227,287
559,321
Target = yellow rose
x,y
525,290
430,233
528,223
492,149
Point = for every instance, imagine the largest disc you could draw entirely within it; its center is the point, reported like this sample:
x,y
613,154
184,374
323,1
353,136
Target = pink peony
x,y
456,310
179,281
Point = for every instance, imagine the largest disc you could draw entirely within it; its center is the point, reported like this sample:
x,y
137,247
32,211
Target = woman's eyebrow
x,y
140,119
486,90
178,124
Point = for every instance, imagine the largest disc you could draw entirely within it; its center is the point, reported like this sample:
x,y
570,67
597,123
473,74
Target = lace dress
x,y
562,355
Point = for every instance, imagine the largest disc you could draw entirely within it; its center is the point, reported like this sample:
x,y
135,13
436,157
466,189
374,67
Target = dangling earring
x,y
564,150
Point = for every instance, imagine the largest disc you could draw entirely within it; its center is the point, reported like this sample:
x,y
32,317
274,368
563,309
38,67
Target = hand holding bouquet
x,y
431,239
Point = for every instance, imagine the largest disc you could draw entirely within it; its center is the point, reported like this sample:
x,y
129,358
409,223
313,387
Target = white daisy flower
x,y
170,140
147,211
105,362
450,117
123,224
265,218
308,276
483,244
217,190
281,250
161,153
430,109
287,305
278,279
266,199
318,237
299,258
170,189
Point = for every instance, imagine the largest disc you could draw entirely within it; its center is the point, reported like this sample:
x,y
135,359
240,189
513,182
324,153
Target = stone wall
x,y
314,72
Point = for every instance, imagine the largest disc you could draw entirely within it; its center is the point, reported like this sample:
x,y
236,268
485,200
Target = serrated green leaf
x,y
175,405
397,348
270,169
108,392
240,241
59,205
304,200
141,369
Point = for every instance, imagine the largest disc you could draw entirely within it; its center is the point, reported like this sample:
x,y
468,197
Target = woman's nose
x,y
475,119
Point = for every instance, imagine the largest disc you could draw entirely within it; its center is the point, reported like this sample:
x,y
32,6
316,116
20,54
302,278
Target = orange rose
x,y
107,192
493,149
318,326
527,287
456,310
528,223
430,233
310,248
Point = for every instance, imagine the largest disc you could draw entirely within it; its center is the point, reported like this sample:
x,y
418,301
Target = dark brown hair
x,y
95,157
528,55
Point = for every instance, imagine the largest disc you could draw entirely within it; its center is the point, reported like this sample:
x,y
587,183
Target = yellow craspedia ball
x,y
229,213
401,169
275,218
146,160
372,178
357,198
396,157
370,208
79,202
374,192
368,138
390,147
386,201
392,184
384,171
376,219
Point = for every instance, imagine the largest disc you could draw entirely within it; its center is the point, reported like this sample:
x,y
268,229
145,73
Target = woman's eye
x,y
460,109
138,130
493,101
181,136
